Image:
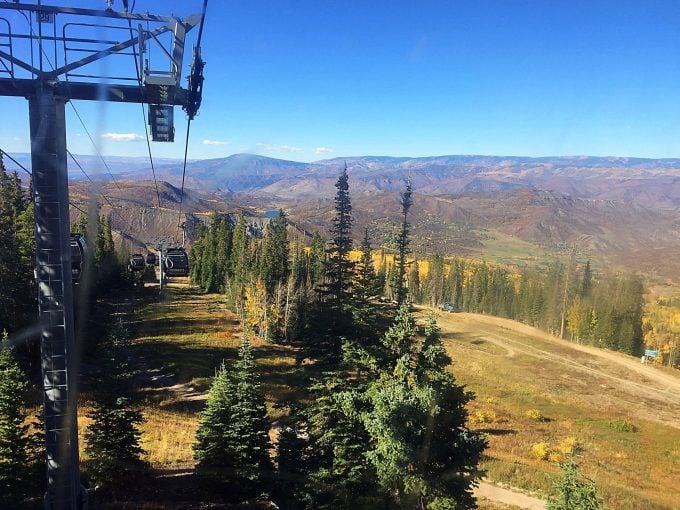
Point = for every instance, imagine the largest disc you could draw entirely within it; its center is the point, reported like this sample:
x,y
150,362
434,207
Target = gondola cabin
x,y
151,259
78,254
176,262
137,262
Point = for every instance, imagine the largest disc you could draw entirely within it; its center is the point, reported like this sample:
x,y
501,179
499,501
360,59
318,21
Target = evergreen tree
x,y
196,255
240,259
239,265
14,445
209,278
434,286
420,447
317,259
573,493
224,237
456,280
17,301
112,440
330,319
381,273
274,263
414,283
291,476
339,267
365,288
403,242
338,475
214,435
586,281
365,282
105,259
232,443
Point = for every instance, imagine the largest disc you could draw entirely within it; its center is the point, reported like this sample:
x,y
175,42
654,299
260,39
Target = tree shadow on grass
x,y
172,326
497,432
184,406
178,362
283,380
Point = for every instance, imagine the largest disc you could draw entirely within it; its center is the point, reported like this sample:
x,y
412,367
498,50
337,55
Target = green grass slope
x,y
541,399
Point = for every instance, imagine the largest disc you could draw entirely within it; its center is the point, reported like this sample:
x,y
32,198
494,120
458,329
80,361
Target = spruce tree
x,y
290,473
214,432
586,281
196,255
339,268
414,282
403,242
17,301
14,457
422,451
338,475
209,278
112,440
365,288
232,442
317,259
223,246
366,285
274,263
330,320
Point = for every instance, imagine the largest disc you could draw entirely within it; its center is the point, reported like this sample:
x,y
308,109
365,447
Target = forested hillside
x,y
276,276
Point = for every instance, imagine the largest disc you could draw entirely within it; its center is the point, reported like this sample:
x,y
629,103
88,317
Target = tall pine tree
x,y
339,267
403,242
330,319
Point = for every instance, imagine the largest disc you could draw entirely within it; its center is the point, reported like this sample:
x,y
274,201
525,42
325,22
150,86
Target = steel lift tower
x,y
63,44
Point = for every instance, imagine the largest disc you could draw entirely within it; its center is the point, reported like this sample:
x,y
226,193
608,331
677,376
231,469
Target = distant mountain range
x,y
626,211
654,183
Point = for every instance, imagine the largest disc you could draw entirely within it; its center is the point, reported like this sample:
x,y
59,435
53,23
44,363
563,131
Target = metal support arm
x,y
88,91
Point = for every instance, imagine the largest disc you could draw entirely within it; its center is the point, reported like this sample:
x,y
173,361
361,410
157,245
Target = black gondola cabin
x,y
137,262
78,253
176,262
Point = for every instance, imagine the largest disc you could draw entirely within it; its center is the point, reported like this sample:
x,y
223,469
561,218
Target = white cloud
x,y
270,147
322,150
214,142
123,137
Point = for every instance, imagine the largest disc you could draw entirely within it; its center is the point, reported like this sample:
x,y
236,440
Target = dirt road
x,y
508,497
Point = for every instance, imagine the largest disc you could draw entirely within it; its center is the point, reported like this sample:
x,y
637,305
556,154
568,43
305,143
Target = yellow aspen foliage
x,y
259,316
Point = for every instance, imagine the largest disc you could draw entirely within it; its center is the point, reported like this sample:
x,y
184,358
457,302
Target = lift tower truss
x,y
63,44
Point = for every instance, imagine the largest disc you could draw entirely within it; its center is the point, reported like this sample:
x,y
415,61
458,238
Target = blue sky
x,y
307,80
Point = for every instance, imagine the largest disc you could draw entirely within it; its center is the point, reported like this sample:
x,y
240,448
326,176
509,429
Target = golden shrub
x,y
540,450
535,415
482,416
568,445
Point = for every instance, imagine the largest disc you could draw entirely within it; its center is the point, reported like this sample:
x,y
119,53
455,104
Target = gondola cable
x,y
194,102
22,167
106,199
146,130
75,110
